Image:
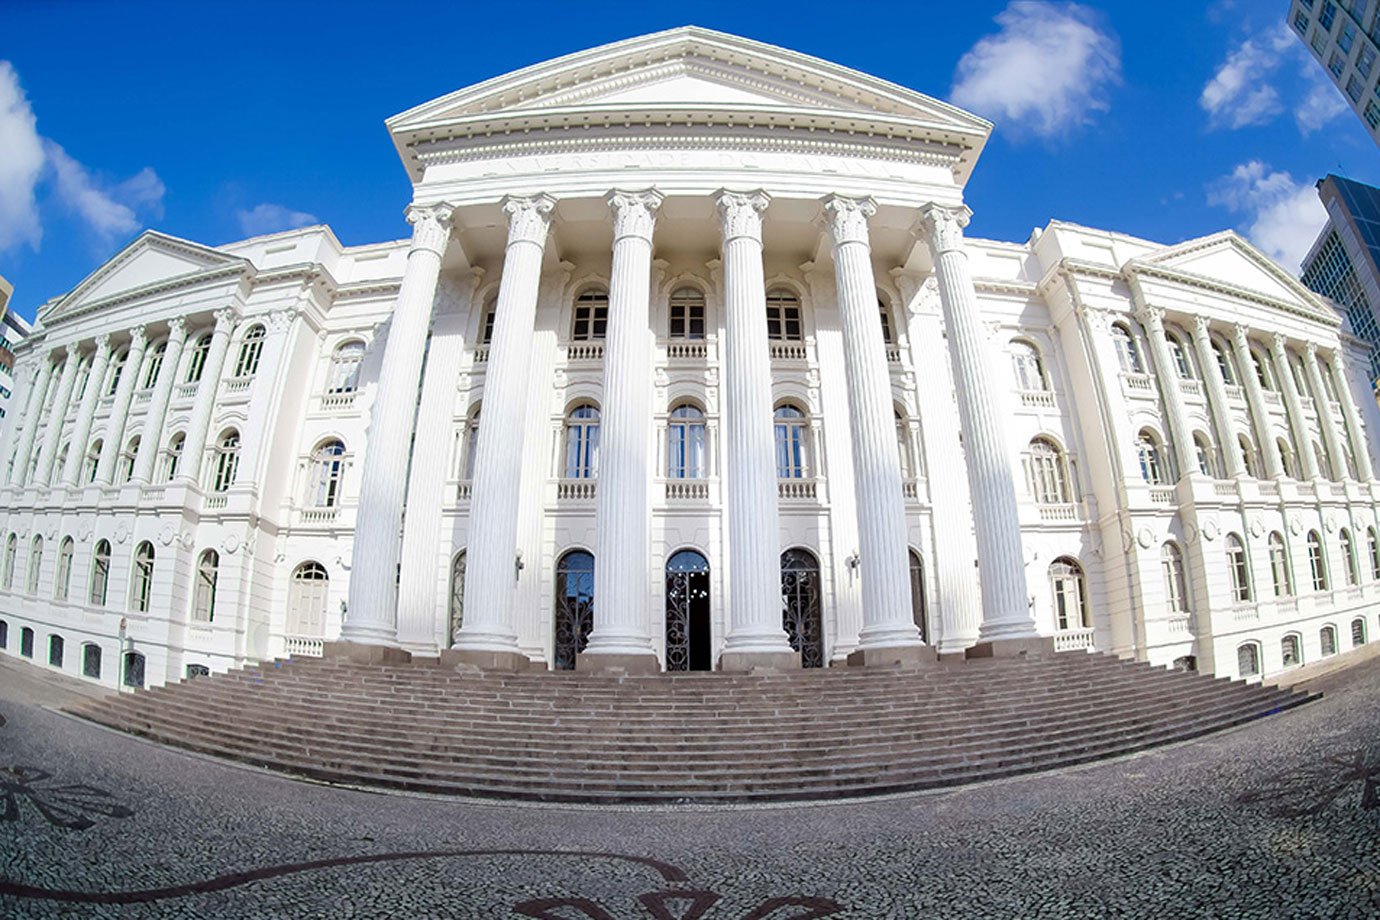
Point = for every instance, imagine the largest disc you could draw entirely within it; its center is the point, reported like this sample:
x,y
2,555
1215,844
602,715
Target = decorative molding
x,y
847,218
741,213
634,212
430,227
529,218
942,227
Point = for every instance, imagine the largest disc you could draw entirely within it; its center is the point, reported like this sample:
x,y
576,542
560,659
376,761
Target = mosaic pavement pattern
x,y
1278,819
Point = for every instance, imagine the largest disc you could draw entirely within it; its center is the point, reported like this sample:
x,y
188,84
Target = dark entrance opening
x,y
574,608
800,606
687,613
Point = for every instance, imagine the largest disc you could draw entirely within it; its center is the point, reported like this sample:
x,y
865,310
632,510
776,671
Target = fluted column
x,y
1303,442
47,454
488,636
1153,320
1356,435
42,379
1274,468
208,388
1230,445
119,411
622,517
76,453
265,399
371,617
755,633
1323,406
152,433
888,617
1001,560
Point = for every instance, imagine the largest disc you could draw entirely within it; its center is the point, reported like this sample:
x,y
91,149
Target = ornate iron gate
x,y
687,620
574,607
800,610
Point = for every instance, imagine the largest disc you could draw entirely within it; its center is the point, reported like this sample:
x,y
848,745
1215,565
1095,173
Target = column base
x,y
484,661
359,653
615,662
1026,647
760,661
897,654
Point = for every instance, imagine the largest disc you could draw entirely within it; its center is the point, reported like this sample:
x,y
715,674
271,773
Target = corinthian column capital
x,y
225,319
430,226
634,213
529,218
1201,326
138,336
847,218
103,344
742,213
1277,345
1152,317
177,328
942,227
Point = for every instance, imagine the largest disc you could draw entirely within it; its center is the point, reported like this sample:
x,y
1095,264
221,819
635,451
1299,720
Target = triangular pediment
x,y
1226,258
151,260
691,68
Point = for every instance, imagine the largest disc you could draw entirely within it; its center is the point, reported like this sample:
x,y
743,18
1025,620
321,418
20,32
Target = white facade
x,y
711,296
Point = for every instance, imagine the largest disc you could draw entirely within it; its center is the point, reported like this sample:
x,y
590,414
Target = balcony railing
x,y
1074,640
1224,489
788,351
1059,512
185,390
1271,397
336,402
584,351
463,489
141,397
910,489
893,354
687,349
1141,385
1306,489
796,489
1038,399
1190,387
215,502
306,646
687,490
319,515
481,354
1245,612
237,384
1269,488
576,489
151,494
1162,495
1178,624
1235,392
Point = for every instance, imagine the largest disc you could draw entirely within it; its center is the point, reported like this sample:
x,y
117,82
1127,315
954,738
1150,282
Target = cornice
x,y
241,271
1178,275
1011,288
367,289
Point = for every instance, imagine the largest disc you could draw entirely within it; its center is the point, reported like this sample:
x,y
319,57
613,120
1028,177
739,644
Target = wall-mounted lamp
x,y
852,561
518,566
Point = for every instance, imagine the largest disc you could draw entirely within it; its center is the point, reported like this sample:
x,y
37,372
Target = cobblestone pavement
x,y
1277,819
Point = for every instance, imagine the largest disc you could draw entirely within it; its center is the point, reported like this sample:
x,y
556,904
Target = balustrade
x,y
1074,640
576,489
788,351
1162,495
306,646
584,351
687,490
796,489
1059,512
683,350
319,515
337,402
1037,399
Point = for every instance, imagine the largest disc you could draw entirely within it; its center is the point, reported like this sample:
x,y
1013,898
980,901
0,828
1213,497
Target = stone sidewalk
x,y
1278,819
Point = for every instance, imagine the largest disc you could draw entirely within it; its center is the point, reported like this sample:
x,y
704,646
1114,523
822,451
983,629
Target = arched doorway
x,y
800,606
917,596
574,608
687,613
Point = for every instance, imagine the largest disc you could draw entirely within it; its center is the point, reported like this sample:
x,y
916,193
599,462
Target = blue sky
x,y
213,122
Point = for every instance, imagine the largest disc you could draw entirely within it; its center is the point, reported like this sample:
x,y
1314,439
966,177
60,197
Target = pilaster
x,y
194,448
119,411
152,435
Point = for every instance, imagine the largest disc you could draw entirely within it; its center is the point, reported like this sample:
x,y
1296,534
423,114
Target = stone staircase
x,y
580,737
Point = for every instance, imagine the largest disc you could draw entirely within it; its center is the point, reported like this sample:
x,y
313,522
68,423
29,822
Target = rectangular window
x,y
1319,41
1372,115
1365,60
1336,63
1301,22
1347,38
1328,14
1353,88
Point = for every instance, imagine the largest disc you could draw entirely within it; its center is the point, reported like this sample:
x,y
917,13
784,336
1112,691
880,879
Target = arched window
x,y
486,322
204,589
888,335
591,317
905,444
1373,551
1239,568
328,468
307,600
783,316
56,474
685,433
35,564
1325,370
1249,459
1280,572
83,378
1029,366
582,442
26,642
4,634
457,596
141,578
1127,354
153,364
470,444
1248,659
128,456
918,605
1286,458
1048,478
196,360
1070,594
345,361
133,669
1320,460
1353,574
251,347
1358,632
91,660
1175,585
116,371
1291,650
1317,561
792,443
1183,361
574,608
1207,457
227,461
1299,374
91,461
1224,362
62,581
1262,370
100,573
11,552
1152,464
1327,640
56,647
173,455
687,314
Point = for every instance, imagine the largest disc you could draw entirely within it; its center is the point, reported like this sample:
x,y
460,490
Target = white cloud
x,y
1282,217
1323,103
21,164
109,210
1237,95
270,218
1048,69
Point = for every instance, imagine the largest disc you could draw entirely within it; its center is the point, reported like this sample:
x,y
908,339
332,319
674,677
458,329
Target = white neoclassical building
x,y
687,364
